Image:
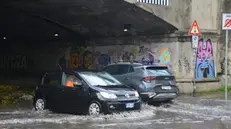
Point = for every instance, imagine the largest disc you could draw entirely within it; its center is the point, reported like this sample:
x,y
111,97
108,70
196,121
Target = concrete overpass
x,y
99,18
107,18
181,13
115,30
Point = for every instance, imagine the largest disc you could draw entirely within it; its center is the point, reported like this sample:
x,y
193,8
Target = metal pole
x,y
226,64
194,82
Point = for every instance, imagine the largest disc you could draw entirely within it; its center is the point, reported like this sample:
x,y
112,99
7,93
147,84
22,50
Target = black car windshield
x,y
99,79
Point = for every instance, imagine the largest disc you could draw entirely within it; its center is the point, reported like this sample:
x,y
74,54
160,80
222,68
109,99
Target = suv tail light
x,y
149,78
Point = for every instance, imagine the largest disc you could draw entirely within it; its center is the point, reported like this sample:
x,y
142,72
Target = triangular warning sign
x,y
194,30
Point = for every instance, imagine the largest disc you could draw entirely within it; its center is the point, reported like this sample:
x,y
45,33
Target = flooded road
x,y
185,113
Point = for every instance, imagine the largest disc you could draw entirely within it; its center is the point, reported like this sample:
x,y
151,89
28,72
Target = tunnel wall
x,y
174,51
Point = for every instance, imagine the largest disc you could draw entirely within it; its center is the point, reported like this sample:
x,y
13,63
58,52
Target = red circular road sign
x,y
227,23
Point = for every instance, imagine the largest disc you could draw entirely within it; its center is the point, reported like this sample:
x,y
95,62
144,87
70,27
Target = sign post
x,y
226,25
194,31
194,41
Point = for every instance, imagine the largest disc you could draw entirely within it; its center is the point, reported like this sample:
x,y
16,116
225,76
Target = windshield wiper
x,y
106,85
100,85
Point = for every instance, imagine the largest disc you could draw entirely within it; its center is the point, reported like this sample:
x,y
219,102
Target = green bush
x,y
222,88
10,94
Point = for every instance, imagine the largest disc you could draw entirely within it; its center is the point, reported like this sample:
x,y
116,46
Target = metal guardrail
x,y
156,2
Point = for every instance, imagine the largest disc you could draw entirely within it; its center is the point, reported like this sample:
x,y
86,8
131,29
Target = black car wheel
x,y
94,108
40,104
170,101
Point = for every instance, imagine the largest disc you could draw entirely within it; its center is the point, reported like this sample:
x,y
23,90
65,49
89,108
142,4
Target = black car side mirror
x,y
77,84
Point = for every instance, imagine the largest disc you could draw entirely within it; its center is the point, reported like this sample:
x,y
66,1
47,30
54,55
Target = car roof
x,y
72,71
125,63
138,64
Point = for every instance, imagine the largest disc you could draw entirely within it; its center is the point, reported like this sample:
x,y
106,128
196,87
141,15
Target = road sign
x,y
226,21
226,25
194,42
194,30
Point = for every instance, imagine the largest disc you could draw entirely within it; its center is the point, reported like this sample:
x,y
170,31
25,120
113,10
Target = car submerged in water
x,y
84,92
153,82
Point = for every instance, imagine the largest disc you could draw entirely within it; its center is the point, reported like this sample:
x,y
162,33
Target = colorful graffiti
x,y
147,55
127,56
75,61
165,56
88,60
149,59
80,58
134,52
104,60
204,60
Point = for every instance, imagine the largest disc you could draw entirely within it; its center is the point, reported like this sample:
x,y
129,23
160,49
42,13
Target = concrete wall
x,y
182,13
177,50
175,14
226,8
174,50
207,14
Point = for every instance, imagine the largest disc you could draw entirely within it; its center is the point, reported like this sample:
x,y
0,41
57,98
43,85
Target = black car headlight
x,y
137,94
108,95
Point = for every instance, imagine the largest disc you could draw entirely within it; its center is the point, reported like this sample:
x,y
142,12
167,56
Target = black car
x,y
84,92
153,82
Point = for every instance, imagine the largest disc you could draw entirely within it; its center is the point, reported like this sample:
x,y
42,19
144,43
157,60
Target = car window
x,y
53,79
158,71
117,69
111,69
70,80
100,78
122,69
131,69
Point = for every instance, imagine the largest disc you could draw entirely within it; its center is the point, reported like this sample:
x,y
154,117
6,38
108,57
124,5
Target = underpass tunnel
x,y
36,36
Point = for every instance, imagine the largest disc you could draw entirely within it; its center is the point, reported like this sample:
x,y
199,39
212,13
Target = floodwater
x,y
185,113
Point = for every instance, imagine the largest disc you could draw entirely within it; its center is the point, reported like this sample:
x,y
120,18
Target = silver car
x,y
154,83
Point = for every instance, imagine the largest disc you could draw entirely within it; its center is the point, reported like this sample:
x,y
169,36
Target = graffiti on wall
x,y
18,62
165,56
75,61
223,66
104,60
187,65
147,56
180,66
76,57
88,60
127,56
205,67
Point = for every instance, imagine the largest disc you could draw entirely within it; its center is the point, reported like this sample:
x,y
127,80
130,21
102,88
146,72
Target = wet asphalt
x,y
185,113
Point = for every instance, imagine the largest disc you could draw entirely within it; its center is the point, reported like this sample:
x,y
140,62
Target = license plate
x,y
129,105
166,87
